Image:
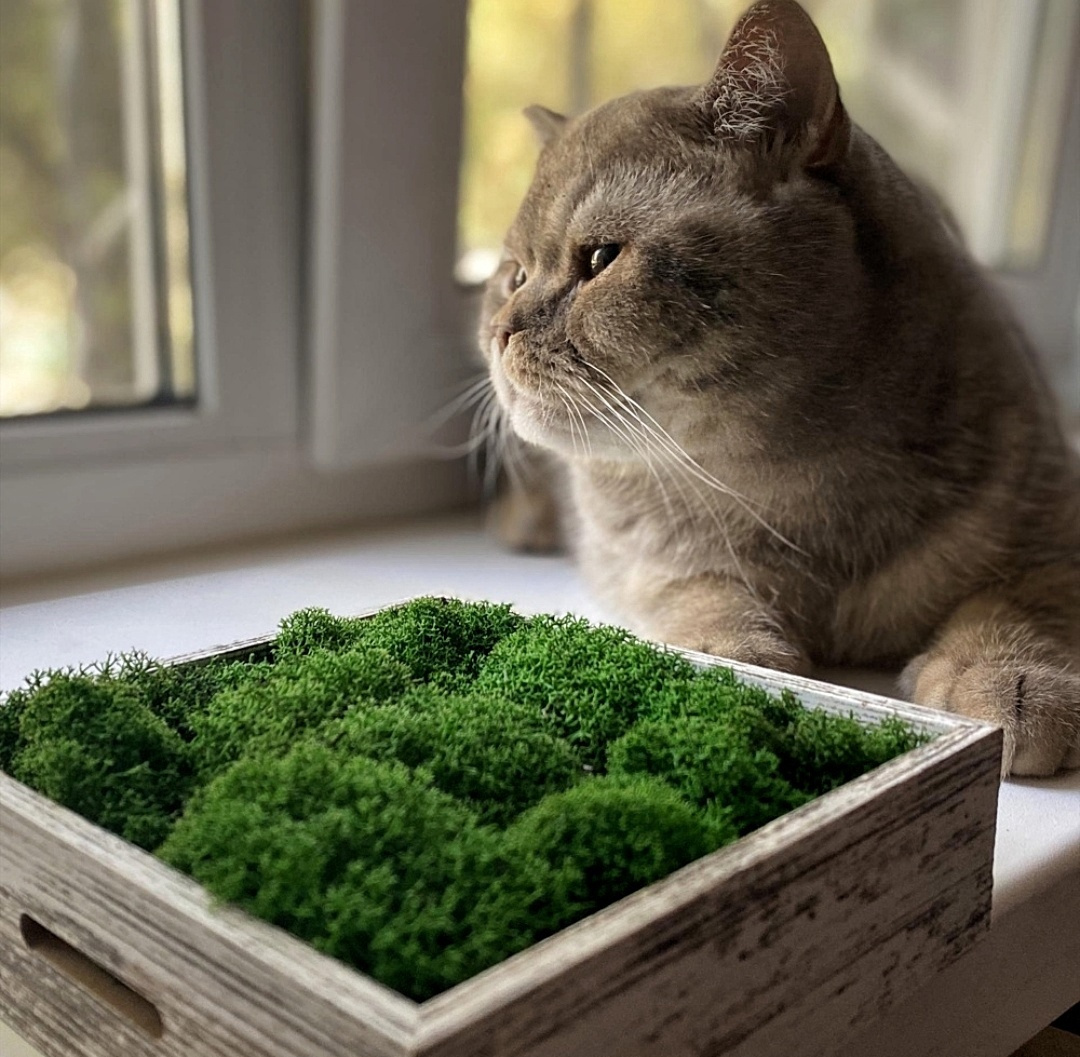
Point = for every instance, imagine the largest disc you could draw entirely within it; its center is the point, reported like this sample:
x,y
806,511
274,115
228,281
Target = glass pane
x,y
95,291
967,95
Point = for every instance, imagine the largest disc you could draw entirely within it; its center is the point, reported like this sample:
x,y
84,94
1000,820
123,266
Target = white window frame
x,y
82,489
243,104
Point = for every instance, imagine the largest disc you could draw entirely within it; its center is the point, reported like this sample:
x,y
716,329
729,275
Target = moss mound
x,y
425,792
591,683
94,746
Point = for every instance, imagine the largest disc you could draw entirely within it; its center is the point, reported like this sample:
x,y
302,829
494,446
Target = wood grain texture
x,y
822,917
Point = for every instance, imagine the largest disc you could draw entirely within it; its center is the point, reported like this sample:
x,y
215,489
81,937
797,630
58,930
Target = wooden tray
x,y
773,945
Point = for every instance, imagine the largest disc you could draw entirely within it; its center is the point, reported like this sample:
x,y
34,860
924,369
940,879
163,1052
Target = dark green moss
x,y
823,751
178,694
11,710
609,836
299,695
591,682
488,752
93,746
713,763
443,637
365,860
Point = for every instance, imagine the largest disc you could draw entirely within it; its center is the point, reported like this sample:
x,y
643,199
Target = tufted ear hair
x,y
774,91
547,125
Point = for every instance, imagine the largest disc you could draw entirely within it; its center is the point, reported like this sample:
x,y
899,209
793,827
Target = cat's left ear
x,y
547,125
774,89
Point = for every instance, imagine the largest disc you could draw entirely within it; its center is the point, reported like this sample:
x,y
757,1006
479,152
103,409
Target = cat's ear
x,y
547,125
774,88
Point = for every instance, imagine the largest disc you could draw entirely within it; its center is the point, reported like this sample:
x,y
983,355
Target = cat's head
x,y
681,246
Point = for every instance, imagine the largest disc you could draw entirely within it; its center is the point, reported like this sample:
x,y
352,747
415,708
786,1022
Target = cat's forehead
x,y
624,163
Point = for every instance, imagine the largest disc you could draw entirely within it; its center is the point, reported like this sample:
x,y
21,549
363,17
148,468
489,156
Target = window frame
x,y
245,177
88,488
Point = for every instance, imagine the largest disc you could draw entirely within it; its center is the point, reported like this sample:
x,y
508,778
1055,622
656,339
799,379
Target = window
x,y
237,457
95,292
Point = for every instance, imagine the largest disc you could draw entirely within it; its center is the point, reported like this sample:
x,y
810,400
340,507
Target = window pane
x,y
95,293
968,95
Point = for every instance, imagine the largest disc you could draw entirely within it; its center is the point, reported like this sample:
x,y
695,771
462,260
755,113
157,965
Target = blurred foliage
x,y
74,77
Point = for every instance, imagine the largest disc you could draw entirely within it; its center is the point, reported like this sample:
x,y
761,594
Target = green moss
x,y
441,637
823,751
610,836
423,793
365,860
713,763
307,630
93,746
11,710
300,694
488,752
179,694
591,682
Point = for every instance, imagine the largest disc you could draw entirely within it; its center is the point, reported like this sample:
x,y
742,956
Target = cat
x,y
787,418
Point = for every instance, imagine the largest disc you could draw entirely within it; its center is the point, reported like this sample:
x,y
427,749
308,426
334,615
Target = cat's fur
x,y
796,424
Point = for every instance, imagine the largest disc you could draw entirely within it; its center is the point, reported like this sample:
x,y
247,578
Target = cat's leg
x,y
720,616
526,512
1012,657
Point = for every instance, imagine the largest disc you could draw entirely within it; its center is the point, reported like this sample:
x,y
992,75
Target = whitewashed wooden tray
x,y
773,945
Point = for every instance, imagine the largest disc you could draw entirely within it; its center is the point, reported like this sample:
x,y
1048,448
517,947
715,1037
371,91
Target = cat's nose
x,y
502,333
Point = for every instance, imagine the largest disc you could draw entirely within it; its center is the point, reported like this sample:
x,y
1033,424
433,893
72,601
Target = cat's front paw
x,y
766,649
1036,703
526,520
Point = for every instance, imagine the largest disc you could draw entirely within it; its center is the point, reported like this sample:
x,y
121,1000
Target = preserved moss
x,y
423,793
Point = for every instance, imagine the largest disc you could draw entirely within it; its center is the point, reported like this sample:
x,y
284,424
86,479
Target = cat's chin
x,y
565,438
540,429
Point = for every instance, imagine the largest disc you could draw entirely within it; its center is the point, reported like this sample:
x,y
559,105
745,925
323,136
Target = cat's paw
x,y
766,649
523,520
1036,703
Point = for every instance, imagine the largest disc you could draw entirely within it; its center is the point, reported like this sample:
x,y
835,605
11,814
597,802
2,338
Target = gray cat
x,y
791,422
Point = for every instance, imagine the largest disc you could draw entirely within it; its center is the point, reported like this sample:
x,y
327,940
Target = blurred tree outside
x,y
75,77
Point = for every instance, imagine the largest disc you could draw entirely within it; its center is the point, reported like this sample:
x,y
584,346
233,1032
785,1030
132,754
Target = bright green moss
x,y
300,694
440,637
591,682
365,860
423,793
94,747
609,836
307,630
487,752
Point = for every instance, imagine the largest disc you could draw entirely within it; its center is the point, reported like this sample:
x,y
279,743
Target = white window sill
x,y
1001,993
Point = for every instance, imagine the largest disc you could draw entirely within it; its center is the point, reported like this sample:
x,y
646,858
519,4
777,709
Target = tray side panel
x,y
853,912
223,984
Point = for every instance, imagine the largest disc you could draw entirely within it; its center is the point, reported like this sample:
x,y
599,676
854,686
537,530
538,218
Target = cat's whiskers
x,y
615,423
477,392
573,418
645,447
472,391
690,464
705,501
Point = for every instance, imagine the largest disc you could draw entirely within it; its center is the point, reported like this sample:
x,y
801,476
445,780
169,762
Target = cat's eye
x,y
602,256
517,280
